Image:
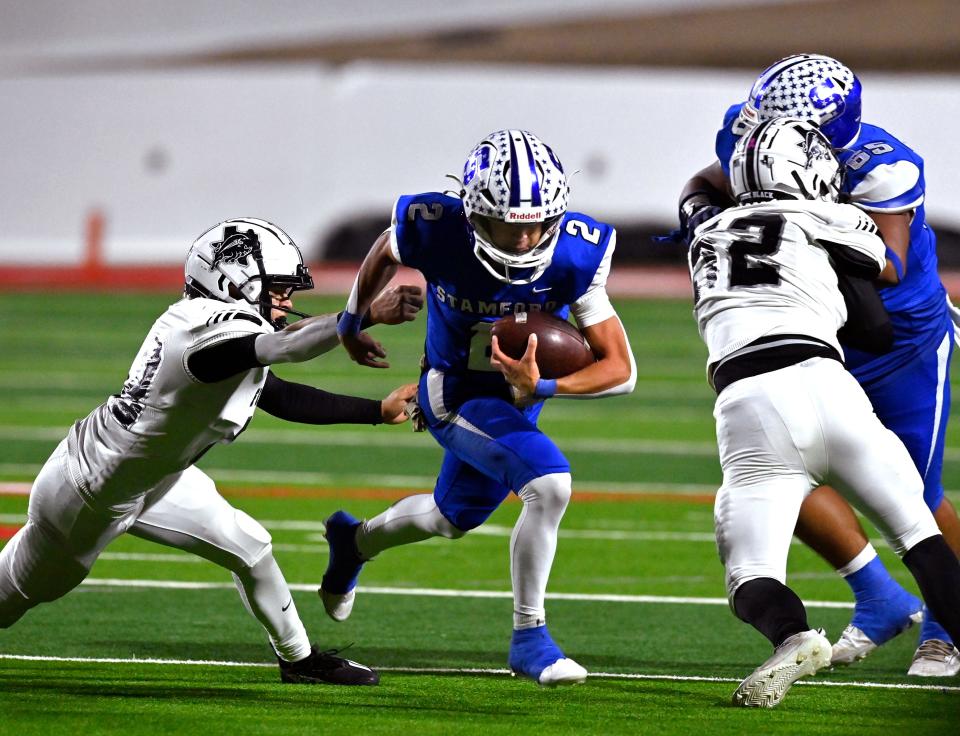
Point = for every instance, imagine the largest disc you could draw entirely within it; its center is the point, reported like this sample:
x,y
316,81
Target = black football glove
x,y
695,209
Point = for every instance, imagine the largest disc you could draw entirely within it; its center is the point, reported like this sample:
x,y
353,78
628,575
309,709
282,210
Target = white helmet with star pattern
x,y
811,87
514,177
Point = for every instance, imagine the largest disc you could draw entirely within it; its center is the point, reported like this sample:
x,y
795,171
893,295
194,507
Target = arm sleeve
x,y
868,326
296,402
223,359
851,239
850,261
299,342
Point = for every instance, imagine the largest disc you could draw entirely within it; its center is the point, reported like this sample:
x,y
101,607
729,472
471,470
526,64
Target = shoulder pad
x,y
426,207
226,316
726,138
579,229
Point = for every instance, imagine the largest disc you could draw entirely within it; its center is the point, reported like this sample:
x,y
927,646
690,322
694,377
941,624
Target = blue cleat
x,y
338,588
534,654
875,622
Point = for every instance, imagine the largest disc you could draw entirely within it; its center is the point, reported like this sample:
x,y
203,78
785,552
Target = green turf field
x,y
158,642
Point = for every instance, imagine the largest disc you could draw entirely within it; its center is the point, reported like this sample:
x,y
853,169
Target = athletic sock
x,y
883,607
869,581
265,594
930,629
527,621
411,519
937,572
771,608
534,542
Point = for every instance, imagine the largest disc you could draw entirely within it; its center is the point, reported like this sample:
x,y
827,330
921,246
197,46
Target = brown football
x,y
561,348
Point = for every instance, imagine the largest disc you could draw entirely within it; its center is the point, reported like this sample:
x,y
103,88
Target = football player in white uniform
x,y
909,384
767,281
202,370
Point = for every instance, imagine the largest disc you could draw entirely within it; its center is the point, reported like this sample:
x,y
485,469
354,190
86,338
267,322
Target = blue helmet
x,y
811,87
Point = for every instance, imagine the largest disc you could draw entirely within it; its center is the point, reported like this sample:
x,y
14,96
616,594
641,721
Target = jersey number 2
x,y
743,272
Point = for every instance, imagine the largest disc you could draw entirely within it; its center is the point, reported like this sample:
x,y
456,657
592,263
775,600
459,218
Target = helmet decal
x,y
514,177
236,247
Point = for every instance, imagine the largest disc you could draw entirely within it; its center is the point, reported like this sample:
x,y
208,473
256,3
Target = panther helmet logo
x,y
236,246
816,148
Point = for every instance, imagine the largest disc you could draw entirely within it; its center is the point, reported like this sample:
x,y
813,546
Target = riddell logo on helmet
x,y
524,216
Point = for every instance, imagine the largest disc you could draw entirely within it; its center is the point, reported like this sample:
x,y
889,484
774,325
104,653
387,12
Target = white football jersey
x,y
769,257
164,418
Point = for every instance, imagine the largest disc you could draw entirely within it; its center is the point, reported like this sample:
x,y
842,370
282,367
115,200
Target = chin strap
x,y
282,321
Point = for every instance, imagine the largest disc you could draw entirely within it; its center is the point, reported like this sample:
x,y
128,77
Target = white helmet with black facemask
x,y
785,158
243,260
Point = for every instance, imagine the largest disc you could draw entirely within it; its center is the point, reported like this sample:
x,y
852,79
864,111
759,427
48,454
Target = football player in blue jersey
x,y
507,244
908,386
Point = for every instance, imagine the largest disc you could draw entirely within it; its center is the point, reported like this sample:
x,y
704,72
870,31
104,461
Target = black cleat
x,y
325,667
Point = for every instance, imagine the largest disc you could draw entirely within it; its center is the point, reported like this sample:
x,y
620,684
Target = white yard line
x,y
315,530
150,557
442,592
470,671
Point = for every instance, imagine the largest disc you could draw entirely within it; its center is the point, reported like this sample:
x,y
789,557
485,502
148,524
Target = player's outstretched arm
x,y
296,343
394,407
297,402
378,268
396,305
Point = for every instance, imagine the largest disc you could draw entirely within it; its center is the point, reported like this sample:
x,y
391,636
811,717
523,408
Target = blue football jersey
x,y
432,235
883,174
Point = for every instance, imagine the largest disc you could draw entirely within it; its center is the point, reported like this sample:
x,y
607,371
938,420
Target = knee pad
x,y
445,527
551,491
42,567
256,540
239,541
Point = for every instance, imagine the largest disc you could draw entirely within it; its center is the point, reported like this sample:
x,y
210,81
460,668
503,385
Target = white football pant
x,y
783,433
63,537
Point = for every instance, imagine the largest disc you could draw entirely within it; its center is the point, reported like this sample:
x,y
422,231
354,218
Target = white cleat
x,y
853,645
563,672
935,658
800,655
338,606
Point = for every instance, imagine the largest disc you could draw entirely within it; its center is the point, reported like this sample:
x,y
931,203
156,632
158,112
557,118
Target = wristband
x,y
545,388
349,323
693,202
365,324
897,263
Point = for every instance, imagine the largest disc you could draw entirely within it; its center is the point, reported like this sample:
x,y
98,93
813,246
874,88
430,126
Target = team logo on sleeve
x,y
236,246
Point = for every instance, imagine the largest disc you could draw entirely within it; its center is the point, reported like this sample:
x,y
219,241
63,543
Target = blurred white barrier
x,y
164,155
